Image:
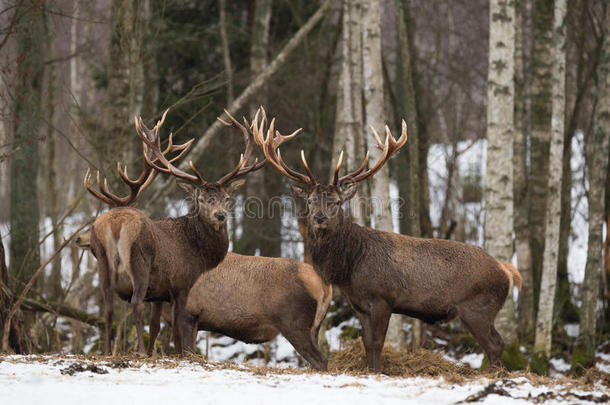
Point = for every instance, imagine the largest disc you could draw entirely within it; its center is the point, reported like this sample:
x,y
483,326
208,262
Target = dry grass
x,y
422,363
395,364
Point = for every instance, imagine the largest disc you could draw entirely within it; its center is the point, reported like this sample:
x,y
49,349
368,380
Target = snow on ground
x,y
47,379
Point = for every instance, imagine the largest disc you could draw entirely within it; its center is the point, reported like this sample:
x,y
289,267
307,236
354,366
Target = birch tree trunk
x,y
374,109
499,175
540,121
544,320
523,34
349,120
597,166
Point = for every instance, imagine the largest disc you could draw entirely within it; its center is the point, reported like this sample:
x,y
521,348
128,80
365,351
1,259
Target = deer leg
x,y
155,326
482,328
189,332
305,343
109,313
178,322
104,275
374,328
140,270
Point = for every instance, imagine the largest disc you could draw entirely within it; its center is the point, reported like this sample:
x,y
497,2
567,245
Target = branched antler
x,y
270,145
149,170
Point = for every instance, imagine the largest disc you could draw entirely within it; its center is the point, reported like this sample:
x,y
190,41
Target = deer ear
x,y
188,188
235,185
347,190
299,190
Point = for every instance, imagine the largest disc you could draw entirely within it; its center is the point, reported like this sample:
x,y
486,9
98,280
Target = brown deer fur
x,y
381,273
253,299
159,260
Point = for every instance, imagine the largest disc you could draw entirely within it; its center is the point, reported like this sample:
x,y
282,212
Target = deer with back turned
x,y
159,260
381,273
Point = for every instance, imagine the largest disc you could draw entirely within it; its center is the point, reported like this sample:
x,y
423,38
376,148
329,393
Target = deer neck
x,y
336,252
211,243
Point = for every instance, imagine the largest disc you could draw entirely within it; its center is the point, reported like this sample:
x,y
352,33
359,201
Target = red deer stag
x,y
253,298
381,273
159,260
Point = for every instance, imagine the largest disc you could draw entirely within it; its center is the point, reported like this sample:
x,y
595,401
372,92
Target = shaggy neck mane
x,y
212,244
336,252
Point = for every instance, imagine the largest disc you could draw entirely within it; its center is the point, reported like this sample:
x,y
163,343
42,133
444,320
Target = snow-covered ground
x,y
68,380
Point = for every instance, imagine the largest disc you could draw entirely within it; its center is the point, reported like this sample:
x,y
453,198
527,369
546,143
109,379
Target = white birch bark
x,y
500,127
544,320
372,73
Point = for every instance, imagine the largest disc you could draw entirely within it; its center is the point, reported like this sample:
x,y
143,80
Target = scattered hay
x,y
594,375
422,363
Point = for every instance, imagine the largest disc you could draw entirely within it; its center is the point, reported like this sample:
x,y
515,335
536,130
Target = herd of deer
x,y
184,260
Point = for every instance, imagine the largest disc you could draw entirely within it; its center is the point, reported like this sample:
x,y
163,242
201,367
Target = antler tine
x,y
151,140
337,168
355,172
245,132
270,146
307,169
252,135
389,148
95,193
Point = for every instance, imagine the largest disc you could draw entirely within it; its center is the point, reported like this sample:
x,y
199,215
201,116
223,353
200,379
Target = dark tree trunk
x,y
16,339
24,249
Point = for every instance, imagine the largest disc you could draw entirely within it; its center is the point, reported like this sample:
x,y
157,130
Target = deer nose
x,y
320,218
220,216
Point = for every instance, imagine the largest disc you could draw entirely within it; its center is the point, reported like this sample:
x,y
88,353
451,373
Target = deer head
x,y
324,201
208,200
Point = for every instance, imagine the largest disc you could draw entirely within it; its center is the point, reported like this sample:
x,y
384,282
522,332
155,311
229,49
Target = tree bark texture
x,y
544,319
408,107
24,249
500,128
540,121
523,32
349,121
597,166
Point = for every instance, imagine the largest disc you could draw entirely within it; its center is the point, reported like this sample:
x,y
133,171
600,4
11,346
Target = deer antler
x,y
389,148
151,140
146,176
271,143
270,146
242,167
